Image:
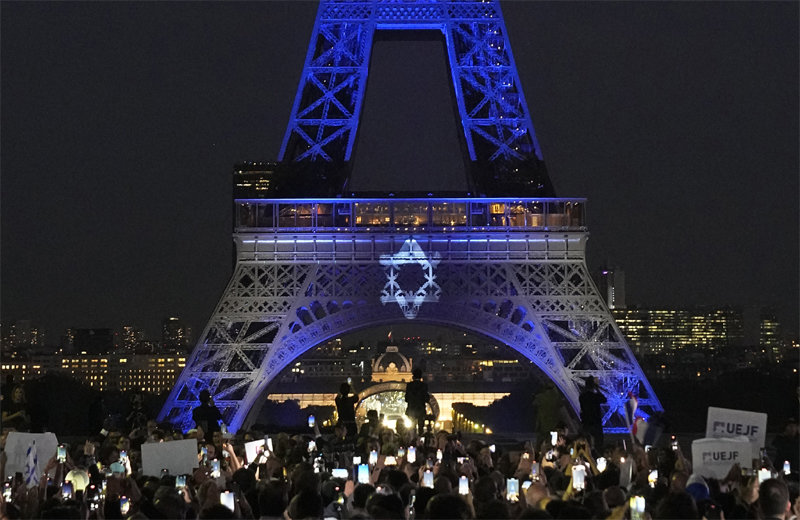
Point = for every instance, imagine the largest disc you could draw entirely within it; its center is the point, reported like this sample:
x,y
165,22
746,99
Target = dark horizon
x,y
120,128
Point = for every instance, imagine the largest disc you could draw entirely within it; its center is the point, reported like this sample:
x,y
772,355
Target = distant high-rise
x,y
93,341
611,283
769,339
131,336
174,334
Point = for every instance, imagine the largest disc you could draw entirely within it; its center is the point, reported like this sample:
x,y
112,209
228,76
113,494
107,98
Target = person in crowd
x,y
207,416
15,413
591,399
787,446
773,500
346,402
417,398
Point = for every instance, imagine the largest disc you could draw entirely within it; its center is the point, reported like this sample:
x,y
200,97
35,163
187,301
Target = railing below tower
x,y
412,215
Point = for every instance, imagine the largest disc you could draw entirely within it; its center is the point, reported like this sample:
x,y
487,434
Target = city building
x,y
131,336
769,338
611,284
653,331
154,373
175,334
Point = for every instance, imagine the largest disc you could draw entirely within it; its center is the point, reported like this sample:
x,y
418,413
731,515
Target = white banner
x,y
178,457
16,449
714,457
726,423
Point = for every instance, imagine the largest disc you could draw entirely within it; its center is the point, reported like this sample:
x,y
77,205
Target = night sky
x,y
121,123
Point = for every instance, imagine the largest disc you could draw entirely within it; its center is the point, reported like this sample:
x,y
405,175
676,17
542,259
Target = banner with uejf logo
x,y
727,423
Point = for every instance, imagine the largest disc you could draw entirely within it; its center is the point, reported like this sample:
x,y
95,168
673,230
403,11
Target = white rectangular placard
x,y
714,457
178,457
16,449
725,423
251,449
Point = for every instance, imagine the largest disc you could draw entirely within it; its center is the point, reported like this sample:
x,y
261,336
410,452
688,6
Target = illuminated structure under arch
x,y
391,386
508,264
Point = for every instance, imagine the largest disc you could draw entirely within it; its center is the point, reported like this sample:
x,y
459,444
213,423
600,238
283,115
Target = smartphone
x,y
269,445
526,455
427,479
349,380
401,452
123,456
373,457
61,453
463,485
204,451
578,477
311,421
363,473
215,473
226,498
356,460
67,491
553,438
674,443
411,456
124,505
764,474
636,504
787,467
535,469
180,481
340,473
7,492
512,490
526,485
390,461
93,497
461,460
601,464
429,463
312,446
492,448
652,478
439,455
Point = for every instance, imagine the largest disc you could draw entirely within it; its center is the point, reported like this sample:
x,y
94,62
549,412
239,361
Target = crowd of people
x,y
394,473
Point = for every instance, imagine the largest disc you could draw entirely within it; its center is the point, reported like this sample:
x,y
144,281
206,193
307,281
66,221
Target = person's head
x,y
447,506
344,388
493,509
216,512
590,383
385,505
773,498
18,394
677,504
169,503
791,428
305,504
360,495
205,396
416,373
217,438
272,498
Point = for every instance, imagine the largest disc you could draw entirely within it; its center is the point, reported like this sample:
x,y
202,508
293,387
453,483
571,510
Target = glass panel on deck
x,y
516,214
324,215
304,215
535,214
556,216
477,214
342,217
410,214
497,214
246,215
286,215
370,214
450,214
575,213
266,215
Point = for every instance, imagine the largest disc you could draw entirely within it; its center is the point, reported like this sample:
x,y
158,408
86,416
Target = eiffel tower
x,y
505,260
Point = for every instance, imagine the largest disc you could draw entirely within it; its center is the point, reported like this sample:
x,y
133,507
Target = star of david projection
x,y
410,300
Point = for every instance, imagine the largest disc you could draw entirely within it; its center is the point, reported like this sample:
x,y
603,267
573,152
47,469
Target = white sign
x,y
252,449
16,449
726,423
713,458
178,457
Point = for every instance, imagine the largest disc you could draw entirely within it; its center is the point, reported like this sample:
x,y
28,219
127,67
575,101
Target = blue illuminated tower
x,y
505,260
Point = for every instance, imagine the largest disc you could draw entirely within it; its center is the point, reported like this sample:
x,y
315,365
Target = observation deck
x,y
409,215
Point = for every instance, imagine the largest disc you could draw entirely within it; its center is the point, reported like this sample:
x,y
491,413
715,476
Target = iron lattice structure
x,y
311,270
509,268
496,123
